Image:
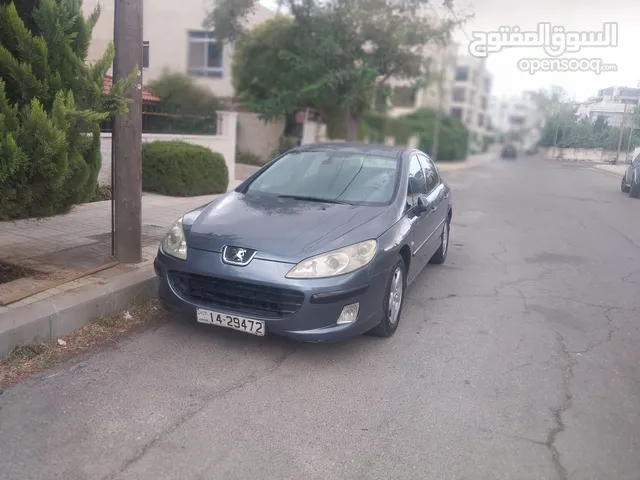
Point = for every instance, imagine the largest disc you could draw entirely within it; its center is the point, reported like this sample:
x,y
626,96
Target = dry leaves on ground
x,y
26,360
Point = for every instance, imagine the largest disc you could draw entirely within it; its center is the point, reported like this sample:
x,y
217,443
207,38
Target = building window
x,y
462,74
484,103
480,119
459,94
404,97
456,112
145,54
205,55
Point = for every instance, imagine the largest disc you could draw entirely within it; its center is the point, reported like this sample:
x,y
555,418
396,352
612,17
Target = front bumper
x,y
318,302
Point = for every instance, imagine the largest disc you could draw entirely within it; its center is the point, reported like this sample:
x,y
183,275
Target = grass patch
x,y
10,272
25,360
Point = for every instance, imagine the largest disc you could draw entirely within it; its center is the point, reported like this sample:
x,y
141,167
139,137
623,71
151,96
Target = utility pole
x,y
555,142
469,134
631,129
438,119
127,135
624,121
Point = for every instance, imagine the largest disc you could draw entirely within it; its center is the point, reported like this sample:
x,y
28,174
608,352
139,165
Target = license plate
x,y
254,327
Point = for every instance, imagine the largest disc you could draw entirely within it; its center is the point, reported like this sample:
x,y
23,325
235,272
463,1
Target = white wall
x,y
594,155
258,137
224,143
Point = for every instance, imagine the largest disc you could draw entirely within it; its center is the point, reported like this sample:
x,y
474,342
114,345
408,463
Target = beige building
x,y
440,66
471,96
175,41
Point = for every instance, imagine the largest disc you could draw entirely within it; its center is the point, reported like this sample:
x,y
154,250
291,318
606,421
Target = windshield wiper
x,y
315,199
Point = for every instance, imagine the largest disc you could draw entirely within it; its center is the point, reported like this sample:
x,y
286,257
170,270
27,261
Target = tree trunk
x,y
351,125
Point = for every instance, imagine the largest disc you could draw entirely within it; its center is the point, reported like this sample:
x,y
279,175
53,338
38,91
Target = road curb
x,y
35,323
607,172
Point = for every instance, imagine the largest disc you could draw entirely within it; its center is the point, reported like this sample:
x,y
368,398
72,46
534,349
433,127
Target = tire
x,y
623,186
391,314
440,256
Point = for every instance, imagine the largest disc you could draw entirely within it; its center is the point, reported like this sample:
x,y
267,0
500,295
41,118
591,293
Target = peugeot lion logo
x,y
237,255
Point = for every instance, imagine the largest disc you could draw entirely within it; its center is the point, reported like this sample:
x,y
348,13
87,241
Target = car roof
x,y
352,147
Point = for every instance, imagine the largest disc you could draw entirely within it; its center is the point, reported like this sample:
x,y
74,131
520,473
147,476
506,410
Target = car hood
x,y
280,229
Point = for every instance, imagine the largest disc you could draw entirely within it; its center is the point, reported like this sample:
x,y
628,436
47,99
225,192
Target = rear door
x,y
436,198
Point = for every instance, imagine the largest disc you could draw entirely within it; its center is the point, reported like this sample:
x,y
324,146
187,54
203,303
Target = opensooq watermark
x,y
553,39
593,65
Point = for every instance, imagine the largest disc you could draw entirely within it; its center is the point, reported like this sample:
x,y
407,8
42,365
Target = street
x,y
518,359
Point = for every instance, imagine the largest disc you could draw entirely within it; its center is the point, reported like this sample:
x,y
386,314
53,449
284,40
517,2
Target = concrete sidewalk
x,y
61,246
617,170
57,311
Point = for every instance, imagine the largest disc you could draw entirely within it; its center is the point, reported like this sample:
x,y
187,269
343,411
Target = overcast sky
x,y
573,15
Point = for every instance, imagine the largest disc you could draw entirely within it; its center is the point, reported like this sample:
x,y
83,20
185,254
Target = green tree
x,y
51,105
332,56
453,135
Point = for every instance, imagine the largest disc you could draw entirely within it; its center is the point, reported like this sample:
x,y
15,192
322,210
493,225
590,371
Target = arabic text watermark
x,y
555,40
592,65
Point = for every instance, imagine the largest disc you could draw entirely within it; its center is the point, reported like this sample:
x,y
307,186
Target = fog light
x,y
349,314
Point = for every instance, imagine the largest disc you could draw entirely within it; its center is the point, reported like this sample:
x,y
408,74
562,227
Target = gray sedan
x,y
631,179
319,245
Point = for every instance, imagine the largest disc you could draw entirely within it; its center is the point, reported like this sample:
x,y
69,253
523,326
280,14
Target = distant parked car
x,y
509,151
631,179
533,150
318,245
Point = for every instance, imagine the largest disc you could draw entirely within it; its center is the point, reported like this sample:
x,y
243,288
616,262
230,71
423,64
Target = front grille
x,y
239,297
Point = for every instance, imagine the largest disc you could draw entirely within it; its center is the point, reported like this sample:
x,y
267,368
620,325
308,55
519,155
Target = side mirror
x,y
422,205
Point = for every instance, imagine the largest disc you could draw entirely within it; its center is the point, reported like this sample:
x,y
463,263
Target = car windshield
x,y
334,177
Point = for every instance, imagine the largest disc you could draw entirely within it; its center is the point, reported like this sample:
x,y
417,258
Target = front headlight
x,y
174,243
336,262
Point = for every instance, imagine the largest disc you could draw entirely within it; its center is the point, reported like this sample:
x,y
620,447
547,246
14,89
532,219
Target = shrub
x,y
51,105
182,169
191,108
249,158
452,141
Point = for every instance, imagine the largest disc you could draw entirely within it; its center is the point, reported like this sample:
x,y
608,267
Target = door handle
x,y
433,209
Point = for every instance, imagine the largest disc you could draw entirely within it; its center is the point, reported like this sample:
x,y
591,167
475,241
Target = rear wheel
x,y
623,186
441,254
392,301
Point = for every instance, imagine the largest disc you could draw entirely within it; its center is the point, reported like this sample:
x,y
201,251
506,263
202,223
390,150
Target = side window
x,y
417,183
636,162
431,173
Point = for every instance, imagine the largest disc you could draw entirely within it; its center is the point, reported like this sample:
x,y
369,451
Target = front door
x,y
421,215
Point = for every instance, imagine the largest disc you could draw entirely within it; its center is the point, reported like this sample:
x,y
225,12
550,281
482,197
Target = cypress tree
x,y
51,106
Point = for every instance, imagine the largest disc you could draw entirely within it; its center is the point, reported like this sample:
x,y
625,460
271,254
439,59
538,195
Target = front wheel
x,y
392,301
623,186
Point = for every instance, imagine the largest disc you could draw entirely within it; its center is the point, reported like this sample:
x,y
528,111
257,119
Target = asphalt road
x,y
518,359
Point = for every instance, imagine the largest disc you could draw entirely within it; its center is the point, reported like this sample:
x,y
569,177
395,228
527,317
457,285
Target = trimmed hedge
x,y
181,169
